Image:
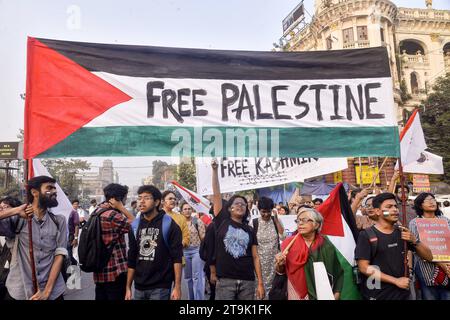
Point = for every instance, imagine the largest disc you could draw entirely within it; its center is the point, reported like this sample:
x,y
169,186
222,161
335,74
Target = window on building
x,y
362,33
348,35
382,34
329,43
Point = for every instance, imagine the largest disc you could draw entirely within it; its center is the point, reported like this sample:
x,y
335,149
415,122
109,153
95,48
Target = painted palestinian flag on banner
x,y
340,227
196,201
88,99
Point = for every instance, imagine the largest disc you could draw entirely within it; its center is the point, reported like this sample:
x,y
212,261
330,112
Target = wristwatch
x,y
76,238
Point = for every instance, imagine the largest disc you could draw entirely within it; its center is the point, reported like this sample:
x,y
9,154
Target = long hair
x,y
419,201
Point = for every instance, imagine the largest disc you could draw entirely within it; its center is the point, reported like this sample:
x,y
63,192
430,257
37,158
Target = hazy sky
x,y
231,24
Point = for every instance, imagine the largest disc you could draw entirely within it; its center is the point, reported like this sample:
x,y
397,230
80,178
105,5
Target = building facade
x,y
417,41
92,183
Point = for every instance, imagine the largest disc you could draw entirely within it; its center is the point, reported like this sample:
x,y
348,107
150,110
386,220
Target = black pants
x,y
212,287
112,290
70,249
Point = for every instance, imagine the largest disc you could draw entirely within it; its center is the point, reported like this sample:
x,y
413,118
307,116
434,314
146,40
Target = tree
x,y
65,171
435,117
186,174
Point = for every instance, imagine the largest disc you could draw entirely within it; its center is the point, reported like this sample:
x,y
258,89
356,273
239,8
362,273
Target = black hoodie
x,y
149,256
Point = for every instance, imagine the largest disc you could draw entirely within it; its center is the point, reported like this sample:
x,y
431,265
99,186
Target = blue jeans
x,y
194,274
431,292
152,294
232,289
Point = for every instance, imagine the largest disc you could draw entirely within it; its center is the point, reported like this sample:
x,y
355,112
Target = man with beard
x,y
156,250
49,244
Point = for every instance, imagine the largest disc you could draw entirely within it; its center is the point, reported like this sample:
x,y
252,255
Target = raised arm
x,y
217,197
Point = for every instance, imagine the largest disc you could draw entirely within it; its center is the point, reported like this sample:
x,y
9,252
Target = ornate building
x,y
417,40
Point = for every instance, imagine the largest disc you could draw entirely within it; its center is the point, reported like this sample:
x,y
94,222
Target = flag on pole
x,y
412,140
427,163
64,206
196,201
340,227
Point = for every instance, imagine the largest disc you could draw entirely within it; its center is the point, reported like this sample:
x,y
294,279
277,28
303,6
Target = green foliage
x,y
64,171
186,175
404,91
435,118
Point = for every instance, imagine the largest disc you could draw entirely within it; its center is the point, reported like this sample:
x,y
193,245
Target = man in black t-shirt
x,y
156,250
380,253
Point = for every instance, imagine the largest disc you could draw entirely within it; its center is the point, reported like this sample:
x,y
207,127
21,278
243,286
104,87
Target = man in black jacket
x,y
156,250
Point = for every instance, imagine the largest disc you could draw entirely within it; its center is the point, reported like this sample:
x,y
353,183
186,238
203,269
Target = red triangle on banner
x,y
331,213
61,97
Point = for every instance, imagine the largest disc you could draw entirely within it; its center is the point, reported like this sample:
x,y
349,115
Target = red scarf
x,y
296,260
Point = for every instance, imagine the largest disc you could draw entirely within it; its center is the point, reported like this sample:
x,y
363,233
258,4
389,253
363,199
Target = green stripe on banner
x,y
293,142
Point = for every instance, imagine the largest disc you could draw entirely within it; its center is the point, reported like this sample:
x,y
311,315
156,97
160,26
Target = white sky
x,y
213,24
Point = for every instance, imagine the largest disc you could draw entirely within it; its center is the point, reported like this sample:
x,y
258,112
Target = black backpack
x,y
93,254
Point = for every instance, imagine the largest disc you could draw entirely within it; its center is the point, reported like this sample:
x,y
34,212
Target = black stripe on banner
x,y
164,62
347,212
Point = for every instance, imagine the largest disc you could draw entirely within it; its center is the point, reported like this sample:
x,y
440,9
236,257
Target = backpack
x,y
255,223
93,254
167,220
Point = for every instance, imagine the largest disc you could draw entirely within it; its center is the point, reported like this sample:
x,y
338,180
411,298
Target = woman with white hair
x,y
308,246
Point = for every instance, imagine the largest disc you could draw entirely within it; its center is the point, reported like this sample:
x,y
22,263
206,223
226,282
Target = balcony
x,y
423,14
414,60
357,44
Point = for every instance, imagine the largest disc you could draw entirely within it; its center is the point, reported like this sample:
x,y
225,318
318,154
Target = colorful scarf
x,y
296,260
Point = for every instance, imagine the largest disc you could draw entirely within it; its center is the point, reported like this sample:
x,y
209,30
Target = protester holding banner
x,y
236,253
168,204
193,271
309,246
380,253
49,240
433,277
269,231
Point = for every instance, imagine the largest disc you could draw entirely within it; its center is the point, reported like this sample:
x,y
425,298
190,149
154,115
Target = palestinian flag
x,y
89,99
340,227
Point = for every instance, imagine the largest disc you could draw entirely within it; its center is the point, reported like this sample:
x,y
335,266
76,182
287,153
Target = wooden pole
x,y
402,187
378,173
29,163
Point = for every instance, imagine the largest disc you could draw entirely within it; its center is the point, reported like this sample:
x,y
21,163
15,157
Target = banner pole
x,y
402,187
29,163
378,173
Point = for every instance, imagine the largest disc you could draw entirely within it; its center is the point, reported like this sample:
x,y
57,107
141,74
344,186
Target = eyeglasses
x,y
145,198
429,200
303,220
241,204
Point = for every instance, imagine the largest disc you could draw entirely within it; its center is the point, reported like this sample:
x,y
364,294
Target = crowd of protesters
x,y
160,247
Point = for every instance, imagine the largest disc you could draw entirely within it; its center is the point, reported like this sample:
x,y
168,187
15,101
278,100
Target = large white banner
x,y
236,174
